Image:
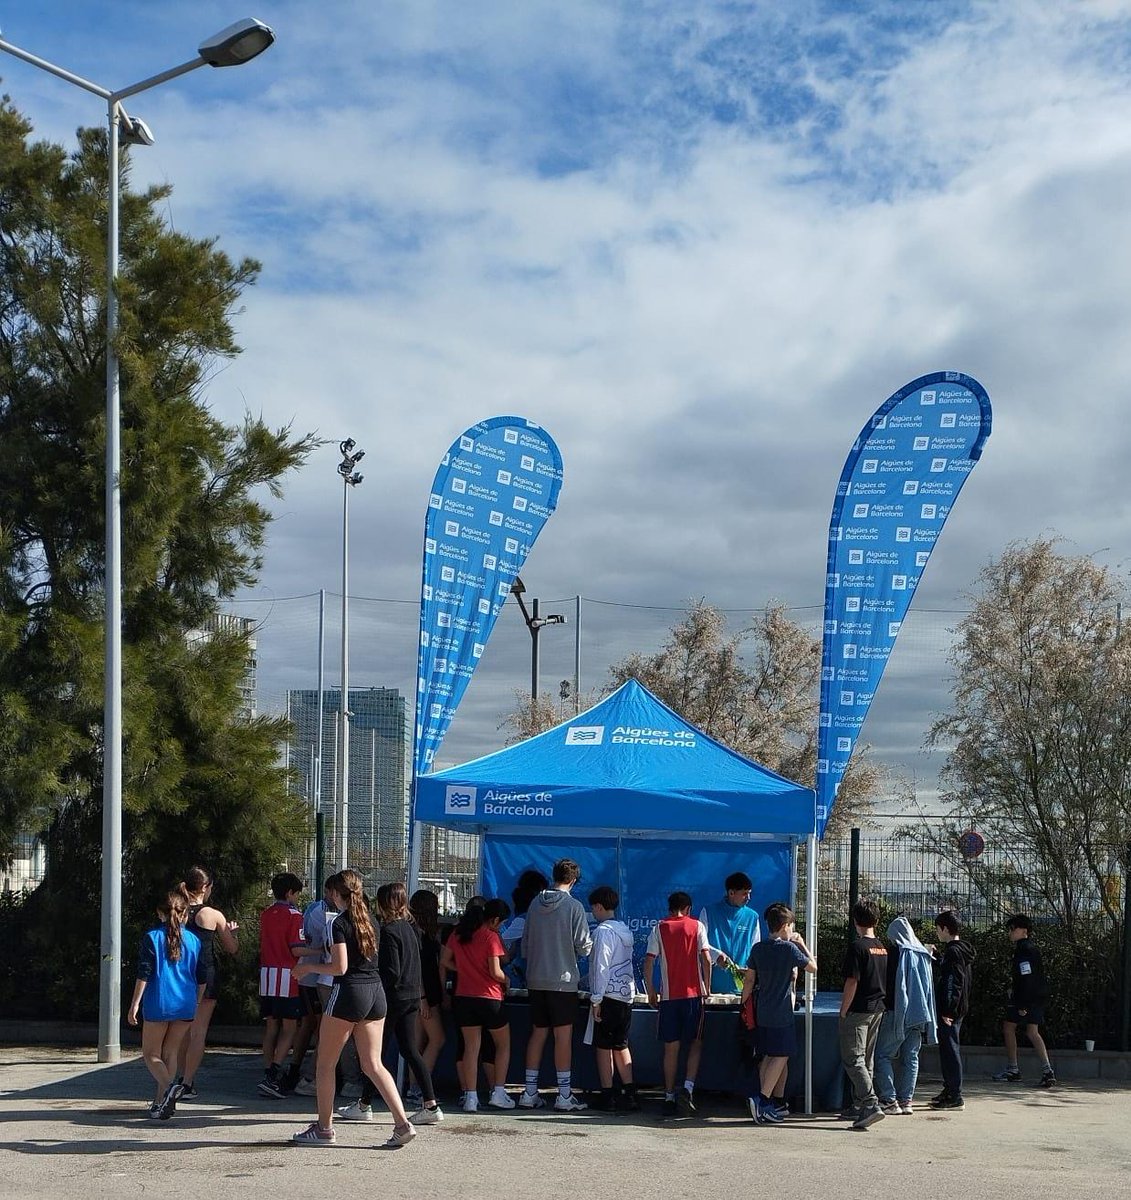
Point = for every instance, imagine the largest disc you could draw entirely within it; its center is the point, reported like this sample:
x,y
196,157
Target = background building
x,y
379,772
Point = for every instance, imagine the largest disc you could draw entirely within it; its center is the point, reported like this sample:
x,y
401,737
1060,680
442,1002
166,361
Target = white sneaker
x,y
355,1112
526,1100
500,1099
569,1103
428,1116
470,1103
401,1137
306,1087
906,1108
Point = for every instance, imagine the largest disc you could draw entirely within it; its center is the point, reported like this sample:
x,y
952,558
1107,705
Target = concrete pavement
x,y
69,1127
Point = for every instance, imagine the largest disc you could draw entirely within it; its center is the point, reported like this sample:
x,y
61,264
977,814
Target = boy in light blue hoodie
x,y
909,1019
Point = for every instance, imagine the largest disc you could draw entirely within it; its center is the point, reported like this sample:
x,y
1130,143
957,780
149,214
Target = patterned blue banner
x,y
495,489
900,481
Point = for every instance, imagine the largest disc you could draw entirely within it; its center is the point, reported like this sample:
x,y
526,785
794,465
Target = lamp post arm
x,y
52,69
525,613
154,80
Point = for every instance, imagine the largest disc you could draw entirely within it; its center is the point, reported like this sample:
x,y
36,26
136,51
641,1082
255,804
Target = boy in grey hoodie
x,y
908,1021
556,935
612,987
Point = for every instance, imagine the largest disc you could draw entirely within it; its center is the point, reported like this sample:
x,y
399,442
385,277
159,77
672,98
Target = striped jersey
x,y
677,942
280,928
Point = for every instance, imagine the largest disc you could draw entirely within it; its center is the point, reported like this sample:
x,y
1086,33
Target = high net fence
x,y
574,659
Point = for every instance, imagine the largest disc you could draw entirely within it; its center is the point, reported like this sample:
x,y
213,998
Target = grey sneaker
x,y
1048,1078
892,1108
314,1135
868,1117
527,1100
1009,1075
906,1108
400,1137
569,1103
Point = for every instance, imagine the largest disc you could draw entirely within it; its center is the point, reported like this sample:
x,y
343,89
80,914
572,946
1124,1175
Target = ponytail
x,y
476,915
174,914
348,885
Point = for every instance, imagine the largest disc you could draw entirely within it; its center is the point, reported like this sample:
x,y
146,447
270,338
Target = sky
x,y
698,243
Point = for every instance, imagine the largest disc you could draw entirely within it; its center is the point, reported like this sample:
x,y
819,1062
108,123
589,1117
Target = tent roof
x,y
628,763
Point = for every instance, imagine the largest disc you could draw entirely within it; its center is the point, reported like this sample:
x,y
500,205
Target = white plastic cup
x,y
1089,1045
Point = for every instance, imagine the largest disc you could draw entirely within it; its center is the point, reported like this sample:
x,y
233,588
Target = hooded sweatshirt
x,y
913,1002
952,994
556,935
610,963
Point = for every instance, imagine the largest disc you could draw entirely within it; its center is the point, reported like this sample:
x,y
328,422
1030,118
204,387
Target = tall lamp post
x,y
535,623
237,44
350,479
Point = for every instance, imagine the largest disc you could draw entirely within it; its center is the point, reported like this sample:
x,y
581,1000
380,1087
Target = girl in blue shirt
x,y
166,992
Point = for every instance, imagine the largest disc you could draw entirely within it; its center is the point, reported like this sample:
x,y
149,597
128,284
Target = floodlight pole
x,y
110,971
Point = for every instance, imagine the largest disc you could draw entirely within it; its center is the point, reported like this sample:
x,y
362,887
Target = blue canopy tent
x,y
639,797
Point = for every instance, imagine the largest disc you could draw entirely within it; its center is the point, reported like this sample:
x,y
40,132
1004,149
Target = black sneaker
x,y
288,1079
270,1086
628,1102
669,1109
868,1117
1009,1075
604,1101
168,1105
685,1103
1048,1078
188,1092
939,1098
950,1104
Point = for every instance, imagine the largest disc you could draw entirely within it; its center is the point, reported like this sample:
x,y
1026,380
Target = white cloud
x,y
703,312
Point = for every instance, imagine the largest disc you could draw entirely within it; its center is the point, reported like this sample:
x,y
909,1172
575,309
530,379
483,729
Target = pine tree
x,y
201,781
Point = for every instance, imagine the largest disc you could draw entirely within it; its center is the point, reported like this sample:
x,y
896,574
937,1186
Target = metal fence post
x,y
853,872
1125,990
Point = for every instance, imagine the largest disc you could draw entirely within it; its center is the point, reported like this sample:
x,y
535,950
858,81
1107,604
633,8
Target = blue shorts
x,y
680,1020
775,1041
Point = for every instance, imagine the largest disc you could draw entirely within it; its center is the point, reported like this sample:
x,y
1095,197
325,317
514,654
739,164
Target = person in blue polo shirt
x,y
733,929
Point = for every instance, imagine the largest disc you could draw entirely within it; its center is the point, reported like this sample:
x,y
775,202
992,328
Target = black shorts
x,y
611,1031
311,1001
478,1010
210,985
549,1010
280,1008
360,1000
1033,1015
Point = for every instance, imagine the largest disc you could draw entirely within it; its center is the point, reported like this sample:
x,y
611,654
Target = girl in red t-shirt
x,y
476,953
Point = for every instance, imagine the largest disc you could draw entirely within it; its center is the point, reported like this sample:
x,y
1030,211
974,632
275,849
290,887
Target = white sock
x,y
563,1083
531,1081
689,1085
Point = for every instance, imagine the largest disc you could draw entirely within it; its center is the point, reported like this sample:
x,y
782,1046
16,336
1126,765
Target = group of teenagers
x,y
334,972
899,995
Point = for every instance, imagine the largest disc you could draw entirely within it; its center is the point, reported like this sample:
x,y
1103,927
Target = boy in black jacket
x,y
952,1002
1025,1007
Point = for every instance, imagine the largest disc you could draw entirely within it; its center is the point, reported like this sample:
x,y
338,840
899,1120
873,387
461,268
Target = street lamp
x,y
236,44
535,623
350,479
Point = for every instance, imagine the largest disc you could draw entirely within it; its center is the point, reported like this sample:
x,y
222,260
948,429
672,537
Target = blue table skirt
x,y
724,1067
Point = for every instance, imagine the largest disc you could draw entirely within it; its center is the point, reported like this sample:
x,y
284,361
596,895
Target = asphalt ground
x,y
72,1128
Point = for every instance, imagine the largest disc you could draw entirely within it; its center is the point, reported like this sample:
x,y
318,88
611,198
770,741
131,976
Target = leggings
x,y
402,1021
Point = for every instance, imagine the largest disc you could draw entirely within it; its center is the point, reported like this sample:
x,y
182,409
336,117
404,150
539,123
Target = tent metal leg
x,y
810,979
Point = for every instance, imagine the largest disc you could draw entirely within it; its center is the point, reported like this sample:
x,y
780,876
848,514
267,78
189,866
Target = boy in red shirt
x,y
680,943
280,936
